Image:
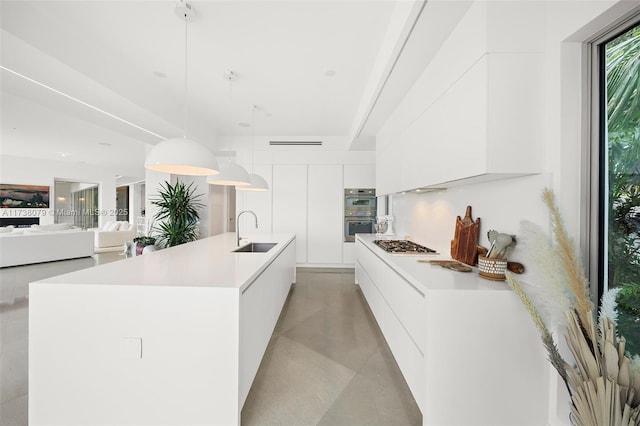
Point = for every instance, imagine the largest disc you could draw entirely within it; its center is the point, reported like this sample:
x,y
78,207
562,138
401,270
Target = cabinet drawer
x,y
407,354
407,303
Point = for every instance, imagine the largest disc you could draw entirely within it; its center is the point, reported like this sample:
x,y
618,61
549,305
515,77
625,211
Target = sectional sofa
x,y
43,243
112,235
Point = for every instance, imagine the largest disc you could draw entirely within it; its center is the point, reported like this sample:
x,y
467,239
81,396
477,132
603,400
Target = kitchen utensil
x,y
449,264
503,243
464,245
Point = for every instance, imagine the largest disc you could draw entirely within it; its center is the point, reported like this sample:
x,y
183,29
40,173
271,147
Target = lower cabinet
x,y
466,347
260,305
399,309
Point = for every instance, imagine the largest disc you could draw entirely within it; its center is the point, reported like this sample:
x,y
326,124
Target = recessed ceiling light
x,y
330,73
243,124
118,176
63,154
159,74
104,143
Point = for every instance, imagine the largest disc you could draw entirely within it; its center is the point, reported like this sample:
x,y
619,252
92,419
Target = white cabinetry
x,y
454,334
359,176
173,354
485,127
260,306
399,308
476,112
325,214
290,204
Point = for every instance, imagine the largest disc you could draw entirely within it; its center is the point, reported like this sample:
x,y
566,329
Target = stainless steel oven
x,y
359,212
360,202
353,226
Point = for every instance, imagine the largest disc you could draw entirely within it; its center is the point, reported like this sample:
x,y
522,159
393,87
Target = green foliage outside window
x,y
623,136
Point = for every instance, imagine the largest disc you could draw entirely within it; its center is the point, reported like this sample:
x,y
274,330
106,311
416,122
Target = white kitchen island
x,y
173,337
466,347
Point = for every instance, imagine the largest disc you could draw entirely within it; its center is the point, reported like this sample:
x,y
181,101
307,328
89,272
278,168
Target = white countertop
x,y
425,276
209,262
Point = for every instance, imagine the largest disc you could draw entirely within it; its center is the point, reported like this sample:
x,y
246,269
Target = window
x,y
618,79
76,203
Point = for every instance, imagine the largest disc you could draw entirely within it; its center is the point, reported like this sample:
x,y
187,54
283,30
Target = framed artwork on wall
x,y
24,196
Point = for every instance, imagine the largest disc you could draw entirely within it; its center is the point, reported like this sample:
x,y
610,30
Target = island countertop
x,y
209,262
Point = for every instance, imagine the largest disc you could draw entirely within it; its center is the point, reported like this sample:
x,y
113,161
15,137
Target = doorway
x,y
122,203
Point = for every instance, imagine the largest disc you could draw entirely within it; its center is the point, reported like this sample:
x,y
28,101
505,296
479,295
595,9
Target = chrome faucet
x,y
238,224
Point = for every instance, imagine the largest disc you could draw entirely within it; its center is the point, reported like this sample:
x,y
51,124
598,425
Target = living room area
x,y
77,210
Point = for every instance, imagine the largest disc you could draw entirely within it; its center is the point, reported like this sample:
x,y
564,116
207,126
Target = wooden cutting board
x,y
464,246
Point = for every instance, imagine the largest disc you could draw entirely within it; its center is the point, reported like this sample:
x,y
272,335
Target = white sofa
x,y
44,243
112,235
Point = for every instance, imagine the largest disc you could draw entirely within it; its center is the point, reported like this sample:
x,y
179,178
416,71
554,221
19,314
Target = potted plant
x,y
177,215
141,242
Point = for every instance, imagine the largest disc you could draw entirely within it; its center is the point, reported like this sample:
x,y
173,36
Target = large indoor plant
x,y
177,216
601,376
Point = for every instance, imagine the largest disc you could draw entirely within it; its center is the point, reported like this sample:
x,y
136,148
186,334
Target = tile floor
x,y
326,364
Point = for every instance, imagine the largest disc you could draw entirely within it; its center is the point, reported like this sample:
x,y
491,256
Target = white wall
x,y
273,207
560,30
29,171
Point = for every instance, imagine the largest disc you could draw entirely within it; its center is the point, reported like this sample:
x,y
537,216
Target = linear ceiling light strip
x,y
295,143
81,102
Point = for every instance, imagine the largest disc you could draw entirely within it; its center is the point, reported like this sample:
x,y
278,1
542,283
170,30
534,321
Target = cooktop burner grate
x,y
402,246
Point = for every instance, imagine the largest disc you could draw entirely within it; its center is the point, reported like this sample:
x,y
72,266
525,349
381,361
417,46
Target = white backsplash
x,y
429,218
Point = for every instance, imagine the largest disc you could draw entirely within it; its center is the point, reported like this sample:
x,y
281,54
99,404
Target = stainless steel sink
x,y
255,248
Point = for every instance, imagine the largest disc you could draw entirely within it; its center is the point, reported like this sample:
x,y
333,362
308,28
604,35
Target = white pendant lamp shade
x,y
182,156
257,184
230,174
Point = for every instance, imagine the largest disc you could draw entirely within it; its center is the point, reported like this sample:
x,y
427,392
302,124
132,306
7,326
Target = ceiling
x,y
99,81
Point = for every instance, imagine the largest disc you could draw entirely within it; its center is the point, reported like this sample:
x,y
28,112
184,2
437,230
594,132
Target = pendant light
x,y
182,156
257,182
231,174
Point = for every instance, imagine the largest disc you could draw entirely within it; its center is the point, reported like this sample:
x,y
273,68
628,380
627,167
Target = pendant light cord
x,y
253,112
230,77
185,76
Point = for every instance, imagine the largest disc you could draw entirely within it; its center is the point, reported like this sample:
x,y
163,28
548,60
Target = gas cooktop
x,y
402,247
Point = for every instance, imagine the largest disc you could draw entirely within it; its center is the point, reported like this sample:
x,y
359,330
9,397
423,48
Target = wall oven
x,y
355,226
359,202
359,212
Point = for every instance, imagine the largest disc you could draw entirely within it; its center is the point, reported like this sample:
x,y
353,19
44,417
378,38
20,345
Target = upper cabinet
x,y
359,176
475,113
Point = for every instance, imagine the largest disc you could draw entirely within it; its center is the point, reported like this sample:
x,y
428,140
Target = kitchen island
x,y
466,347
173,337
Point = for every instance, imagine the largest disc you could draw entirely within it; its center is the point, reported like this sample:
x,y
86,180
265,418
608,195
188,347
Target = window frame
x,y
595,172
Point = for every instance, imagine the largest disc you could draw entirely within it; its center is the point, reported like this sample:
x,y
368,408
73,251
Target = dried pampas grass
x,y
603,382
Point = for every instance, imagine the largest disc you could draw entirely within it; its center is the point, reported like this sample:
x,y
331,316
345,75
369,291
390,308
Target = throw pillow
x,y
111,226
6,229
